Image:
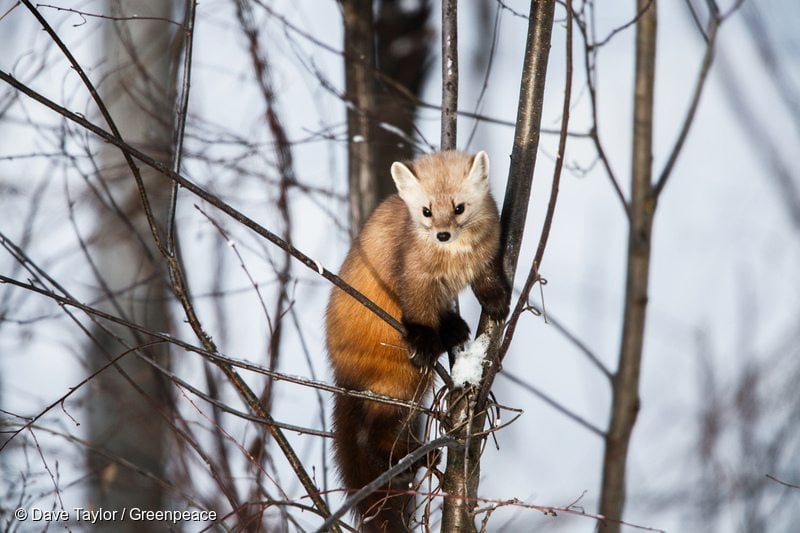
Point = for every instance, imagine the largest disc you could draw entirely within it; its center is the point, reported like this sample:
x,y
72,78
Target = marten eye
x,y
459,209
426,212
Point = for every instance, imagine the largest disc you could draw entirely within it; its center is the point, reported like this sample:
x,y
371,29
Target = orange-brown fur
x,y
400,265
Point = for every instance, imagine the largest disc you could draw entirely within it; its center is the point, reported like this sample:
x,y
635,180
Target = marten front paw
x,y
424,343
453,330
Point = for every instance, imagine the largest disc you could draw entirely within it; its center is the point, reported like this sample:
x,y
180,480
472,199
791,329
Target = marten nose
x,y
443,236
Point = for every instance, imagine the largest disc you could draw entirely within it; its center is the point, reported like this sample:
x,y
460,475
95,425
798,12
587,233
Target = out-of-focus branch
x,y
784,483
705,68
781,171
625,394
589,62
285,164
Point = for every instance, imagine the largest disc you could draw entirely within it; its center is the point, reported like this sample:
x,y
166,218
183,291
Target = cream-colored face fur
x,y
444,193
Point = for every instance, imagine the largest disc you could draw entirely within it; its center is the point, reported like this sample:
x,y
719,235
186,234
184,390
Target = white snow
x,y
470,357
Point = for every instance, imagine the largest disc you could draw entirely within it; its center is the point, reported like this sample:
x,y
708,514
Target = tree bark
x,y
131,402
360,93
449,136
625,394
385,65
403,49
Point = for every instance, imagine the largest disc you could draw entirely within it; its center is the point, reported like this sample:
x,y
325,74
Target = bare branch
x,y
705,68
554,404
784,483
625,395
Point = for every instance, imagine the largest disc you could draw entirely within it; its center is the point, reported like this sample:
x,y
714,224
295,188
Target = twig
x,y
589,57
554,404
215,357
533,274
183,111
705,68
106,17
73,389
784,483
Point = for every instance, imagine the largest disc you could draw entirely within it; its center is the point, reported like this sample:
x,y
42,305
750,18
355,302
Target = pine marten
x,y
420,247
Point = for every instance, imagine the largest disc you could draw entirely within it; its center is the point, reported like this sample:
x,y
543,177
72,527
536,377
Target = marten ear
x,y
406,182
478,177
476,185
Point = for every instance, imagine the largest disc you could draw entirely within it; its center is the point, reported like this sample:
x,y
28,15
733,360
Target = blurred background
x,y
266,131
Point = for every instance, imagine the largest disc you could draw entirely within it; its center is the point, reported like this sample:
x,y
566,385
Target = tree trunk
x,y
360,93
385,65
129,402
403,49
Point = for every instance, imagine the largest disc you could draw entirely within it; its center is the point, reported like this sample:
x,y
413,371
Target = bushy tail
x,y
367,436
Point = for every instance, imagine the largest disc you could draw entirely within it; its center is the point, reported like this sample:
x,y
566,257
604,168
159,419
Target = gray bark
x,y
129,404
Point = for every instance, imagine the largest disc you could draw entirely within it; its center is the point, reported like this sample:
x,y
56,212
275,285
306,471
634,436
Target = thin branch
x,y
589,58
705,68
554,404
784,483
182,112
86,14
585,350
216,357
533,274
625,26
60,401
696,19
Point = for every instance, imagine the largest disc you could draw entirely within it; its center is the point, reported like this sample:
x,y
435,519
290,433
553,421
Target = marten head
x,y
446,194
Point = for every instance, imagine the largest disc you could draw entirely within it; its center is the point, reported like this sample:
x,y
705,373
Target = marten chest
x,y
449,273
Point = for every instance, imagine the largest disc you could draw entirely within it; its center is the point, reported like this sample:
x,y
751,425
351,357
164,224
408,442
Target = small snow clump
x,y
468,368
